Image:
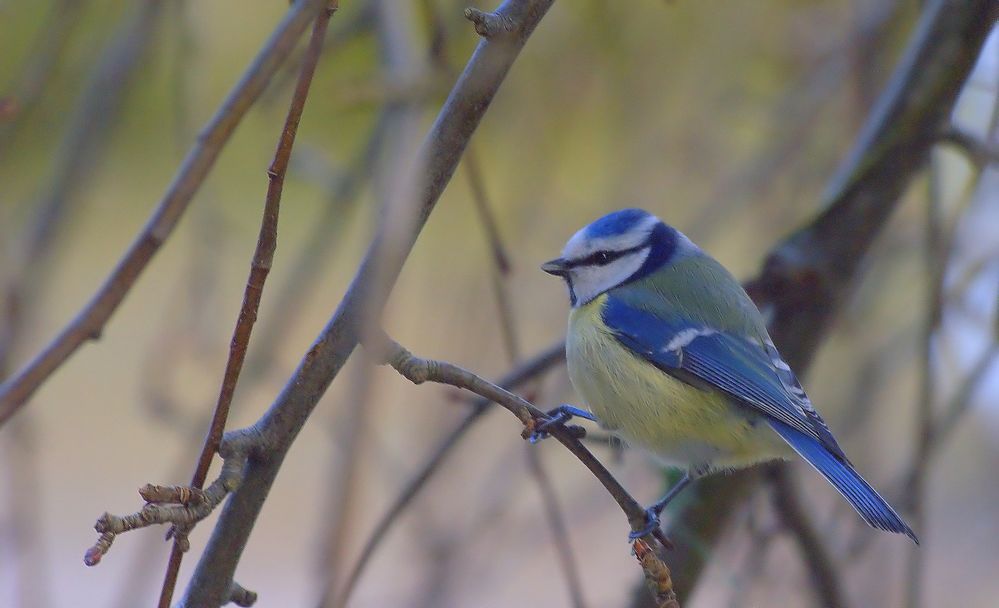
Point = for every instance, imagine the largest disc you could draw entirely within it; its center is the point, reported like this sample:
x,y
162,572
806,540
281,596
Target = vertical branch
x,y
277,429
263,257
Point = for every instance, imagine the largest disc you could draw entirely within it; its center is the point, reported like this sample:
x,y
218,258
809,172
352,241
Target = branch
x,y
981,152
90,320
807,277
530,369
263,257
418,371
178,505
274,433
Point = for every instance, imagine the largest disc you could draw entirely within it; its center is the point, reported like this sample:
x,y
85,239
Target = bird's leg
x,y
653,512
557,417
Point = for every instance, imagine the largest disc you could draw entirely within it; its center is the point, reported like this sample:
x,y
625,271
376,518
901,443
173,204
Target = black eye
x,y
602,257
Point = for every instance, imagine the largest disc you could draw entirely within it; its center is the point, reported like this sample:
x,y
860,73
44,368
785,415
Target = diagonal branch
x,y
90,320
274,433
418,371
524,373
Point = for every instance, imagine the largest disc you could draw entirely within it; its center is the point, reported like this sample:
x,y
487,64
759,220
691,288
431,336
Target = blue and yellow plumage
x,y
668,351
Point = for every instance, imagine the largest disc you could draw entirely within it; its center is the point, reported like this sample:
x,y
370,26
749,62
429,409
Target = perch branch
x,y
418,371
529,370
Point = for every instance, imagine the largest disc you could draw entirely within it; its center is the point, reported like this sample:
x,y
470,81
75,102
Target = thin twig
x,y
522,374
263,258
418,371
275,432
90,320
980,151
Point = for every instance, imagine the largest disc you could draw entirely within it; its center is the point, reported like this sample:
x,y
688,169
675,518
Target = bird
x,y
670,354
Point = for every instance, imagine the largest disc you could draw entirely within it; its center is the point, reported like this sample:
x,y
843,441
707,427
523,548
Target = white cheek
x,y
590,281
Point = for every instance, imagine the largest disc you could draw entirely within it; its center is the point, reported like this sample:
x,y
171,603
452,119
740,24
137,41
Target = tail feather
x,y
874,509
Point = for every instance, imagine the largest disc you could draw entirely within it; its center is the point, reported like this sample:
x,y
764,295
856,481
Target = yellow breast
x,y
650,409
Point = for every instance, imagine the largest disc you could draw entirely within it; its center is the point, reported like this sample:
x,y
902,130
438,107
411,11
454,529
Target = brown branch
x,y
418,371
980,151
524,373
274,433
177,505
90,320
807,277
263,258
657,576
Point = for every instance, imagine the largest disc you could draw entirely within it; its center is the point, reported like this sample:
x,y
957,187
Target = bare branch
x,y
418,371
177,505
981,152
489,24
263,257
277,429
90,320
657,576
240,596
527,371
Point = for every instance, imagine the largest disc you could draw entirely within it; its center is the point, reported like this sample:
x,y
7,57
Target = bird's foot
x,y
558,417
652,524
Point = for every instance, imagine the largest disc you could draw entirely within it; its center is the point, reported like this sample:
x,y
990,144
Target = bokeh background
x,y
724,118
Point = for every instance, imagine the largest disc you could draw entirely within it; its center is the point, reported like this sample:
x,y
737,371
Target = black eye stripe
x,y
603,258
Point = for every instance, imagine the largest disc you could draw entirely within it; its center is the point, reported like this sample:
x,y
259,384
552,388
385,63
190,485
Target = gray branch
x,y
365,298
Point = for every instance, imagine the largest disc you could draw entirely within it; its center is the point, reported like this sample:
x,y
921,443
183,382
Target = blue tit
x,y
670,354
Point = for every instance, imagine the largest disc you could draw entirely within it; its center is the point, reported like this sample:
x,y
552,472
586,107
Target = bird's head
x,y
620,247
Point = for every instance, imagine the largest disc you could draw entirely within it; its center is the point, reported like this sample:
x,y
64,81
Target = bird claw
x,y
558,417
652,524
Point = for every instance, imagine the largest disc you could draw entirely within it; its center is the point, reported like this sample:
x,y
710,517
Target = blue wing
x,y
874,509
753,374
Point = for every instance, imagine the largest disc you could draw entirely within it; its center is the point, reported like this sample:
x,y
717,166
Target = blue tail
x,y
850,484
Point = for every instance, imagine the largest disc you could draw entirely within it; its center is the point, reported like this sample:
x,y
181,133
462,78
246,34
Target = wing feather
x,y
751,372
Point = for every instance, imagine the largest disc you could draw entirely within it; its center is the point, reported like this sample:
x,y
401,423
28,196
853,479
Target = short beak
x,y
558,267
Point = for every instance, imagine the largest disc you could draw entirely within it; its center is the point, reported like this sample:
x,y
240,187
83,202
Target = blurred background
x,y
725,119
